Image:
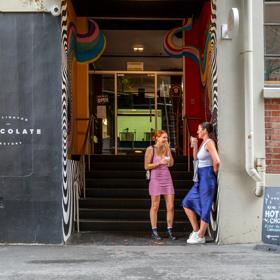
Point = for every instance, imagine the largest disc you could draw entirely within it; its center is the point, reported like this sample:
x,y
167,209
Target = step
x,y
127,214
115,165
130,158
128,225
124,203
135,174
119,158
118,199
110,182
126,192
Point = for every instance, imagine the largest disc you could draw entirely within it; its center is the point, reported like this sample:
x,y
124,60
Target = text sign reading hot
x,y
271,216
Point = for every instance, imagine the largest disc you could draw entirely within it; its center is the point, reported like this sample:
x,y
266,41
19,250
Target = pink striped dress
x,y
161,180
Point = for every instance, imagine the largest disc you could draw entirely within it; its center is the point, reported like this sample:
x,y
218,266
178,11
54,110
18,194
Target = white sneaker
x,y
192,233
195,239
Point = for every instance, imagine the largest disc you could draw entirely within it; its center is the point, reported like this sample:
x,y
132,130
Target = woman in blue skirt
x,y
198,201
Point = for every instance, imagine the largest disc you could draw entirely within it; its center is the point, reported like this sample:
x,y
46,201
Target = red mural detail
x,y
196,96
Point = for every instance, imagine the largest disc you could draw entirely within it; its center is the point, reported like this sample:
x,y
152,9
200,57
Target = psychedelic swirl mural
x,y
202,60
86,47
205,58
201,49
76,48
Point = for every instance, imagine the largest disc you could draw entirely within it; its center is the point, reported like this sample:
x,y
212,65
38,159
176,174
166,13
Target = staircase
x,y
117,197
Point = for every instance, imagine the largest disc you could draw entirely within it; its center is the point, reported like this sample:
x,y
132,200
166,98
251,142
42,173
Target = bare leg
x,y
155,200
169,201
203,228
193,219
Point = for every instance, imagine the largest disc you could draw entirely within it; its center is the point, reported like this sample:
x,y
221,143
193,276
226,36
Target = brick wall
x,y
272,135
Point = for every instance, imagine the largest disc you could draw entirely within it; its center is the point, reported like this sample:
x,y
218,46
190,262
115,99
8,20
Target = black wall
x,y
30,129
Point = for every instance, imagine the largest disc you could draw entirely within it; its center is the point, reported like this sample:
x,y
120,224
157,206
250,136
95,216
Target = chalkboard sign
x,y
30,129
271,216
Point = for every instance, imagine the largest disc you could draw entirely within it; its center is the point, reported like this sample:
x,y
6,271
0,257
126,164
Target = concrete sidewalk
x,y
96,262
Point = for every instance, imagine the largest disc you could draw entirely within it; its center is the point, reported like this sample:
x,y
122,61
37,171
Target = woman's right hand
x,y
163,162
193,141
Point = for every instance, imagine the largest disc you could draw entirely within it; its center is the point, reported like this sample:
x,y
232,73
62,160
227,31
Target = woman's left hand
x,y
167,147
211,148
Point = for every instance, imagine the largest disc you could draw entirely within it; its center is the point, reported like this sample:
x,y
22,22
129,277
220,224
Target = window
x,y
272,42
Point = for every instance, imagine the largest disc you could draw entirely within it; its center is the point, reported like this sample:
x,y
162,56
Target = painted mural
x,y
200,71
201,59
199,52
86,47
200,75
67,190
78,49
84,43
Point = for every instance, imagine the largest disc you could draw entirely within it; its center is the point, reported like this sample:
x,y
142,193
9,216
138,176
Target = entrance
x,y
127,107
130,106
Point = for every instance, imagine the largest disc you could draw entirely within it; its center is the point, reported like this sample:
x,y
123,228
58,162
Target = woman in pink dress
x,y
158,159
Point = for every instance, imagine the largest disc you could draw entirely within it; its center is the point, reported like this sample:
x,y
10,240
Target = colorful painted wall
x,y
201,90
200,80
77,87
200,77
82,43
199,54
85,44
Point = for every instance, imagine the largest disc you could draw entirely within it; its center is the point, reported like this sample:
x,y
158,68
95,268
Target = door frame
x,y
155,73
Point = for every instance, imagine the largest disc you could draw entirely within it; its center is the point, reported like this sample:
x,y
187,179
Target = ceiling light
x,y
138,48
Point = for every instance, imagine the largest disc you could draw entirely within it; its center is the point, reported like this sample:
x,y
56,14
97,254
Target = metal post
x,y
116,108
77,209
84,175
156,80
88,163
189,156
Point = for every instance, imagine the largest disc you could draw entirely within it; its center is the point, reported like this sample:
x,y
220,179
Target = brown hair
x,y
209,128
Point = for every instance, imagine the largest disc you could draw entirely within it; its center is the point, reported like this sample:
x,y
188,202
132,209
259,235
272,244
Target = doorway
x,y
130,106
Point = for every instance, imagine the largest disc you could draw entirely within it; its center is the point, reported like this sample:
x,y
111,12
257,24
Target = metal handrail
x,y
189,134
82,166
90,128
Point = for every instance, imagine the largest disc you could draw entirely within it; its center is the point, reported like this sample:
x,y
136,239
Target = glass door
x,y
137,118
170,103
102,107
131,106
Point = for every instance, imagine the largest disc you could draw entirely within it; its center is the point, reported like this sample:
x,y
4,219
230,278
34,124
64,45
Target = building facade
x,y
230,65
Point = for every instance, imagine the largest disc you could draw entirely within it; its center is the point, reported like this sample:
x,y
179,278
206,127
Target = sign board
x,y
31,129
135,66
102,99
17,136
101,112
271,216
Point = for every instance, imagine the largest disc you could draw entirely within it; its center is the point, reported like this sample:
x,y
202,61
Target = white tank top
x,y
204,158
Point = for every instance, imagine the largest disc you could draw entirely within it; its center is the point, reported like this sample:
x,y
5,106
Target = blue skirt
x,y
200,197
